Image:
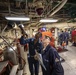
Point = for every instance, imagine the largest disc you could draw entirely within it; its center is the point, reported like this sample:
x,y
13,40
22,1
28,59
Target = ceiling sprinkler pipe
x,y
26,4
57,9
46,7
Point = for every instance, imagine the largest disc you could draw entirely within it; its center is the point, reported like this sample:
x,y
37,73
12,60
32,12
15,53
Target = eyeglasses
x,y
47,37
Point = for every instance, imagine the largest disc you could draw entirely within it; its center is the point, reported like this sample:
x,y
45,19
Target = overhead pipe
x,y
26,4
46,7
49,5
57,9
62,3
9,8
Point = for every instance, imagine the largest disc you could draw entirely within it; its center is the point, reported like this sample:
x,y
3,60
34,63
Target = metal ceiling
x,y
28,8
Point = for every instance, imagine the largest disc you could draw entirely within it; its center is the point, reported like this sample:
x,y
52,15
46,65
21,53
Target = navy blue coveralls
x,y
64,36
51,60
32,47
61,38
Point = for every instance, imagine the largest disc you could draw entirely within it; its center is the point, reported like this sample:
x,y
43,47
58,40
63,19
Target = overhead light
x,y
48,20
18,18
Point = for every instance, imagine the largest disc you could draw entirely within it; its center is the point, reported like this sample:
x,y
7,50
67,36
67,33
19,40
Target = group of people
x,y
50,56
63,37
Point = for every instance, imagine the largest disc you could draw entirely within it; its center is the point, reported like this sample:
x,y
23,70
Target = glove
x,y
35,57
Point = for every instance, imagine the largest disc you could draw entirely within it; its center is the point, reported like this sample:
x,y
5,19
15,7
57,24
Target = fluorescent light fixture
x,y
18,18
48,20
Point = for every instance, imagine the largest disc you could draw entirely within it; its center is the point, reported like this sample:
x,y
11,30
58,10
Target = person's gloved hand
x,y
35,57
